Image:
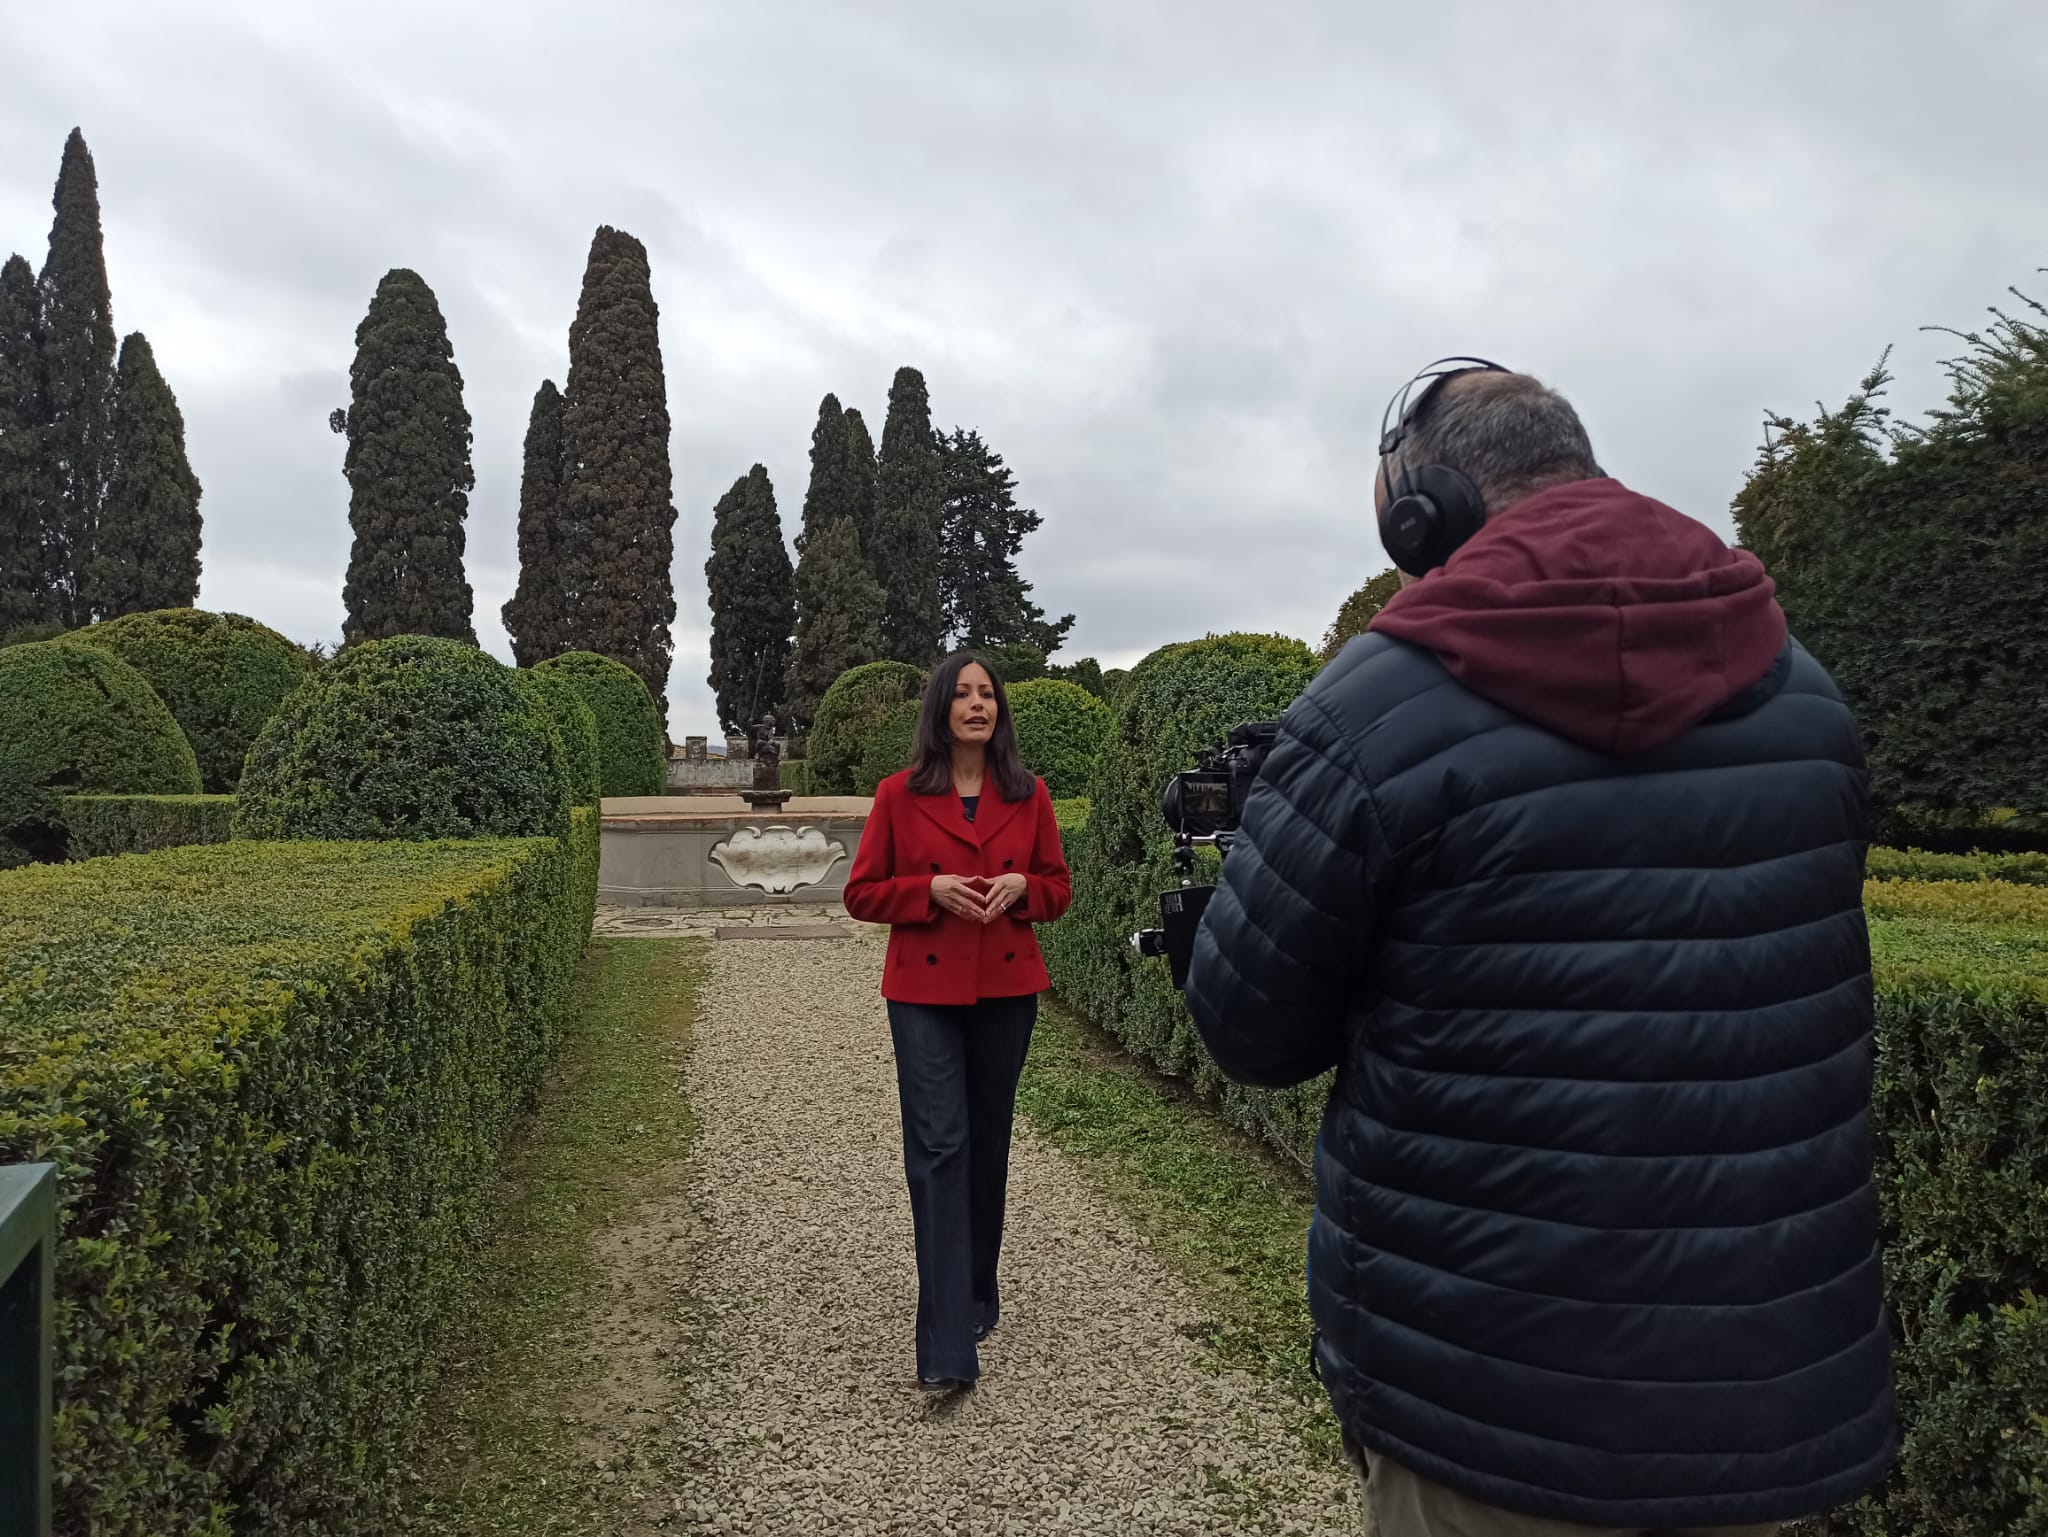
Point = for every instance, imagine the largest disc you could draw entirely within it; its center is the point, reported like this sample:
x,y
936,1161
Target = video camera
x,y
1203,806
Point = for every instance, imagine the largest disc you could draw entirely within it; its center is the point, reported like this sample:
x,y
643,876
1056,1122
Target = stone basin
x,y
717,851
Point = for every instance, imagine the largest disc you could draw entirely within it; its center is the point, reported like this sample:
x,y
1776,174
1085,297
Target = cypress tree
x,y
146,555
753,603
839,609
536,617
860,482
987,601
408,471
827,497
77,380
618,513
23,585
905,553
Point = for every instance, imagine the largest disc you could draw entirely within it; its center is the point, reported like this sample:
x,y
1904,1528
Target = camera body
x,y
1203,806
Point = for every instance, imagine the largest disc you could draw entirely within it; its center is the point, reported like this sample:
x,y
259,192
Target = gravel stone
x,y
800,1411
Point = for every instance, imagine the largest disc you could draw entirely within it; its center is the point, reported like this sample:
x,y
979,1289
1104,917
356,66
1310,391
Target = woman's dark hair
x,y
931,752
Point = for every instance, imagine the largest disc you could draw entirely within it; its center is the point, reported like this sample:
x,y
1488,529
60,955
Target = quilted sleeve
x,y
1285,946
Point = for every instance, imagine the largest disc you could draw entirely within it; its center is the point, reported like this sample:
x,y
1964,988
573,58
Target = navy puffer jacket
x,y
1597,1238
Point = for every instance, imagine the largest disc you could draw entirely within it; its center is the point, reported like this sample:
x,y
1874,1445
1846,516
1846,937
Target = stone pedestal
x,y
719,852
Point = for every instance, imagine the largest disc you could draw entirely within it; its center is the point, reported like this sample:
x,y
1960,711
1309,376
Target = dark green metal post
x,y
28,1269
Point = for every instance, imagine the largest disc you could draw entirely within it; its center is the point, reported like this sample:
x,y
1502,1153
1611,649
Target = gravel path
x,y
1095,1414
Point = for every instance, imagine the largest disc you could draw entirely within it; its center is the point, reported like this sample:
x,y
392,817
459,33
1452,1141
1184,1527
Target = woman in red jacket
x,y
960,857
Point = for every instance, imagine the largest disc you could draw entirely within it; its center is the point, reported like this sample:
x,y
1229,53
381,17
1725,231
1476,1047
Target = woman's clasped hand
x,y
977,898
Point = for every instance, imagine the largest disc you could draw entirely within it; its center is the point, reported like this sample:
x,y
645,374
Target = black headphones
x,y
1431,509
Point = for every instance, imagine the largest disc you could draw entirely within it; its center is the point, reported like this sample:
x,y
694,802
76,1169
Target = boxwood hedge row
x,y
141,824
1177,703
274,1078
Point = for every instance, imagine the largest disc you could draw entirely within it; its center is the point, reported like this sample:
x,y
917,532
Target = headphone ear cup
x,y
1431,510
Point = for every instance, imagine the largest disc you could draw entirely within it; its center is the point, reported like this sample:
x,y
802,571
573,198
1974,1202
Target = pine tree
x,y
537,616
827,497
987,602
77,380
23,580
753,603
146,555
617,495
408,471
839,617
905,553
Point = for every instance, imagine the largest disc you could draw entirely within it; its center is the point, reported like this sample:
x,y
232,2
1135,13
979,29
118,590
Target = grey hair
x,y
1507,433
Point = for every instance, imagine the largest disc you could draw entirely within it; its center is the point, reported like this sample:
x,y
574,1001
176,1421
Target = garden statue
x,y
767,793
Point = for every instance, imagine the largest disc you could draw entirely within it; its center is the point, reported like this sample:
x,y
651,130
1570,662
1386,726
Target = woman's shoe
x,y
945,1384
982,1332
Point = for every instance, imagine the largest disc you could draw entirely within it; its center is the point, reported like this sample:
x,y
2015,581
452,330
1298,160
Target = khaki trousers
x,y
1399,1503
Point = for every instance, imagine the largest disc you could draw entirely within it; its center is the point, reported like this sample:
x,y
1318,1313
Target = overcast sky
x,y
1170,258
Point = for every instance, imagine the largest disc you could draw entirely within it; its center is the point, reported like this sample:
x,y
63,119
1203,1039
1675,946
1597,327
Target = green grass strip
x,y
502,1454
1215,1205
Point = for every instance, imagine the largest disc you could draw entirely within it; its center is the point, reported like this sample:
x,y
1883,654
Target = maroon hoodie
x,y
1603,615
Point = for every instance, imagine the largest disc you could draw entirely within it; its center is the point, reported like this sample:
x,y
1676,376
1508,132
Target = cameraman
x,y
1560,868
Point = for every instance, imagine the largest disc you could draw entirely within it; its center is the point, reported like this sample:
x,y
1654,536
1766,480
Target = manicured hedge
x,y
575,725
1179,702
101,825
1071,815
631,756
852,707
796,775
78,719
1060,728
222,675
411,737
274,1079
887,749
1962,1119
1919,865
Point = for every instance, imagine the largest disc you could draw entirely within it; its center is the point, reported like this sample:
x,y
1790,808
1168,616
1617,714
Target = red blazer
x,y
936,956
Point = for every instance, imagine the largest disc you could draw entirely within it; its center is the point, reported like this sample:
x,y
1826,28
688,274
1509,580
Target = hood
x,y
1603,615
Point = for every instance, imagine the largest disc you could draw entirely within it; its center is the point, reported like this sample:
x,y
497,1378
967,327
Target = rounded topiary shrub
x,y
78,720
631,756
1178,703
223,676
1060,728
887,750
575,725
408,738
851,708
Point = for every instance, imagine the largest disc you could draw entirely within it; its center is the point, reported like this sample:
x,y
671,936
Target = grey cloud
x,y
1171,259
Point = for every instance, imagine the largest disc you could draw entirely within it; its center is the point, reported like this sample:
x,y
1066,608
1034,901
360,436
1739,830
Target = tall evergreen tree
x,y
909,492
23,581
827,496
408,471
753,603
146,555
987,602
860,482
77,379
839,609
618,512
536,616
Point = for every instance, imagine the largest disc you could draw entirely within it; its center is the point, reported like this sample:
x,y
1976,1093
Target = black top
x,y
1596,1233
969,802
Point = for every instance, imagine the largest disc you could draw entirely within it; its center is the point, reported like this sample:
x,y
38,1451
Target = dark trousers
x,y
956,1075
